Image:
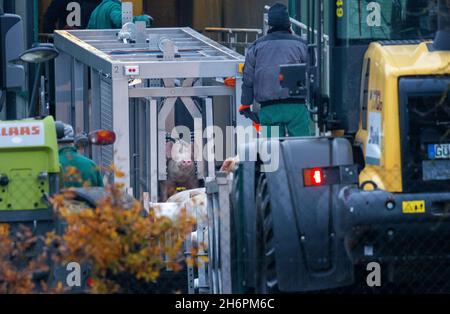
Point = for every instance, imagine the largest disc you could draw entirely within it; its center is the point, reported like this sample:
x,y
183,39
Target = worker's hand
x,y
248,113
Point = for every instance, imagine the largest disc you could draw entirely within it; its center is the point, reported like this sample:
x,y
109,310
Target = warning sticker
x,y
413,207
373,148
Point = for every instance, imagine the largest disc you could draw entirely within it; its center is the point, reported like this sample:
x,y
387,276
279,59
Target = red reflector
x,y
102,137
230,82
313,177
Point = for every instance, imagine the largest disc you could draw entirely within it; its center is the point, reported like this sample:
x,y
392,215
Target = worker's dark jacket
x,y
262,67
57,12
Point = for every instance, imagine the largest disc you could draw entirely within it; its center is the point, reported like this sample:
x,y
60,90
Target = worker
x,y
77,170
81,142
108,15
68,14
261,79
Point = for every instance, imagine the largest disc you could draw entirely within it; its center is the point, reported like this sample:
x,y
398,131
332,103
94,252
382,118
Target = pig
x,y
181,170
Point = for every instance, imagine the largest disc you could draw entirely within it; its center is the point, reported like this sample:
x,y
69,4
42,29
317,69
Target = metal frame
x,y
199,64
238,39
211,238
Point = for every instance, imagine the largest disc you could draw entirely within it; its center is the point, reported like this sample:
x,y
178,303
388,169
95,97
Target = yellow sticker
x,y
413,207
241,68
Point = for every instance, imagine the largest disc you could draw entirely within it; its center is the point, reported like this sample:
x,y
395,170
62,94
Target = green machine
x,y
29,169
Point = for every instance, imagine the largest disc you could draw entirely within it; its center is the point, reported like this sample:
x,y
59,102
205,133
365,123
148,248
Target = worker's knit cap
x,y
279,16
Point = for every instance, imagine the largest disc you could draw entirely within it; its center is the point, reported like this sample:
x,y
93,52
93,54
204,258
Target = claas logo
x,y
20,130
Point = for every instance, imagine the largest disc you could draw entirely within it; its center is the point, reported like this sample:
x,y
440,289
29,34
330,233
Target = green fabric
x,y
77,169
293,118
108,15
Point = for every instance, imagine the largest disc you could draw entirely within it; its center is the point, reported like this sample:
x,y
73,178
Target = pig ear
x,y
169,146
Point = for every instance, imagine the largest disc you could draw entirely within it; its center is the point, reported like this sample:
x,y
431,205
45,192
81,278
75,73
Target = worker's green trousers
x,y
291,120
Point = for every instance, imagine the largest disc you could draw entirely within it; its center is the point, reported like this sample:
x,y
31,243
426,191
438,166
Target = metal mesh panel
x,y
106,120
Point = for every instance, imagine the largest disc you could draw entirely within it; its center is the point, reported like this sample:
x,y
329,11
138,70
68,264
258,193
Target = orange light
x,y
313,177
230,82
102,137
281,77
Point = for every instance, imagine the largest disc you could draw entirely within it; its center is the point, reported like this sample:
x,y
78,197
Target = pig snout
x,y
186,164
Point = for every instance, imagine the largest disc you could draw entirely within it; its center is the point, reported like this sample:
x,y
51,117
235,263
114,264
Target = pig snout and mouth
x,y
181,170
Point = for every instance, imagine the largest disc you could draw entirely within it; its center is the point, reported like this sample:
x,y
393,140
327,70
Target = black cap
x,y
279,16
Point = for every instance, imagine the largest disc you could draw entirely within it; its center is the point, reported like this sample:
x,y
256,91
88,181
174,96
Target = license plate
x,y
439,151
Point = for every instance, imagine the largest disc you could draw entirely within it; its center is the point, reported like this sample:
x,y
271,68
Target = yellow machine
x,y
384,66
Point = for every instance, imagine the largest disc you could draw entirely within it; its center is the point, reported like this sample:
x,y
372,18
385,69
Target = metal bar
x,y
86,105
202,226
190,268
265,23
121,126
187,69
95,116
225,232
167,108
198,132
63,87
43,110
216,243
209,124
211,237
153,145
233,30
78,96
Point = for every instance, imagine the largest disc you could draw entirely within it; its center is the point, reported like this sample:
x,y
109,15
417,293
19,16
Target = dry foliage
x,y
22,269
116,239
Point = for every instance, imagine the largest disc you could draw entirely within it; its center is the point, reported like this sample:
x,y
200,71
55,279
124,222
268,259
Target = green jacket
x,y
77,170
108,15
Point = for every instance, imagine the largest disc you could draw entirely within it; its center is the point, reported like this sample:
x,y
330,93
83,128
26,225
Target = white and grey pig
x,y
181,170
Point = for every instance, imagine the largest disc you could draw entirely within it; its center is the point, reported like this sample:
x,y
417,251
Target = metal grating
x,y
106,120
191,45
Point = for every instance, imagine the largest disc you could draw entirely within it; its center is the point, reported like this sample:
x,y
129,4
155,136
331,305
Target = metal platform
x,y
132,87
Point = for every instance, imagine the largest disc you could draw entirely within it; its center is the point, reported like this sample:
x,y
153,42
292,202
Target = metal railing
x,y
238,39
303,27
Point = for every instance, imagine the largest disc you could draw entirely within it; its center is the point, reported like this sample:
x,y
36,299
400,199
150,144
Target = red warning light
x,y
313,177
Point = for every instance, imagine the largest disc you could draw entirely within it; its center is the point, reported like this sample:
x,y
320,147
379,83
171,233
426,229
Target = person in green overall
x,y
77,170
108,15
261,79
